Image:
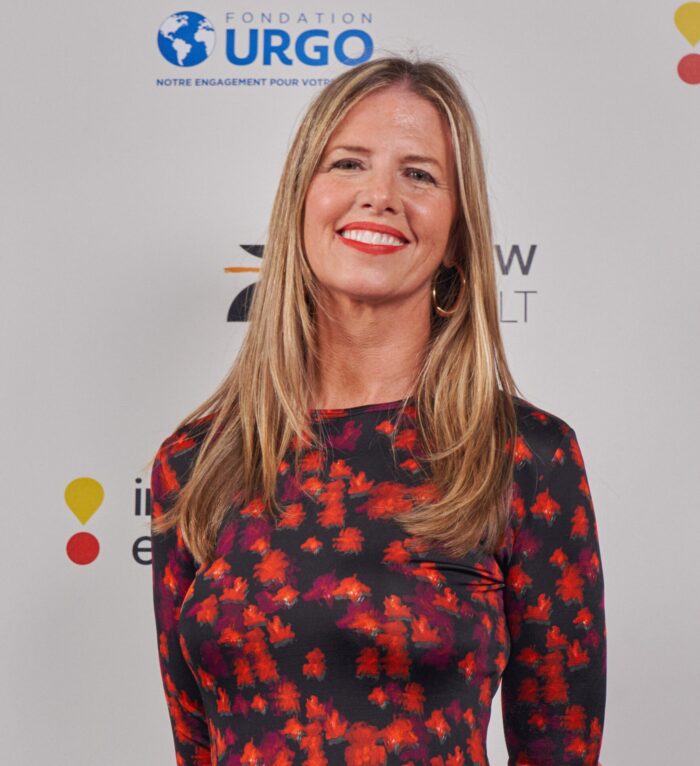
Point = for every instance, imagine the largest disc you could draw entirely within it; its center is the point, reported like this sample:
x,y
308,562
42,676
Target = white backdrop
x,y
123,203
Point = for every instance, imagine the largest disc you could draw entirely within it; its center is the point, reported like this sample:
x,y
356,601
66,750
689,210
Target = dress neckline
x,y
340,412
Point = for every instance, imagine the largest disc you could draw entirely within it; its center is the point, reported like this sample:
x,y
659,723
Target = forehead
x,y
395,115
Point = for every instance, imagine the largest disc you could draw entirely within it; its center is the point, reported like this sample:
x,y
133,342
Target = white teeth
x,y
371,237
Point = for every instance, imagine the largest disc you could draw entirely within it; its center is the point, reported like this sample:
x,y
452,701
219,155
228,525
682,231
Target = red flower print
x,y
243,672
379,697
314,709
352,589
333,512
395,553
584,618
286,596
266,668
349,540
529,657
570,585
368,663
312,462
399,735
280,634
456,758
576,656
293,729
387,499
423,634
545,507
522,452
413,698
518,579
558,558
223,702
346,440
437,725
556,639
555,689
285,697
528,691
467,665
251,756
206,611
340,470
428,572
475,748
315,665
237,592
335,727
253,616
385,427
364,622
574,718
322,589
579,523
312,486
410,465
272,568
406,439
447,601
311,545
575,452
254,508
541,612
364,750
395,609
218,569
291,517
359,485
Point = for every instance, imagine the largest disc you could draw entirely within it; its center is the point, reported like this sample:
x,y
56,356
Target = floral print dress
x,y
330,636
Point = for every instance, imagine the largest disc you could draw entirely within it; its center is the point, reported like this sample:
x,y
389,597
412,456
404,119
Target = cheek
x,y
433,220
323,203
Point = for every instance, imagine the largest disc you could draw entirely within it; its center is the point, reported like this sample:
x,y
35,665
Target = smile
x,y
372,238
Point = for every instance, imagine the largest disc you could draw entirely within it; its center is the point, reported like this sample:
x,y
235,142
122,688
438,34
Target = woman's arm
x,y
553,692
173,571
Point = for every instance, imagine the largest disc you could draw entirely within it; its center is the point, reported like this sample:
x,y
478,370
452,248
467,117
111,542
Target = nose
x,y
380,191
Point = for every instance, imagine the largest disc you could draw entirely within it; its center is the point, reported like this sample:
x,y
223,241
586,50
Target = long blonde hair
x,y
465,414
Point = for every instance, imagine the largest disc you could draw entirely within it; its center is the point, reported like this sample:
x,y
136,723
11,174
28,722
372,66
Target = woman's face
x,y
380,207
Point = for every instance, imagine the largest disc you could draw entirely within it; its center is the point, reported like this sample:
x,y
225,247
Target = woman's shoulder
x,y
539,431
177,453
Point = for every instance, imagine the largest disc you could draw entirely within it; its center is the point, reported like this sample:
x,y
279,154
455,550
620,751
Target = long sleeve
x,y
173,572
553,687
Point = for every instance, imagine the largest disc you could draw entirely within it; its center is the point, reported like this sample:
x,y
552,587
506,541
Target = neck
x,y
369,354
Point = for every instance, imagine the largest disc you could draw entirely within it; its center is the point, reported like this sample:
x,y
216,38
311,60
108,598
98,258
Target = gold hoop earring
x,y
449,312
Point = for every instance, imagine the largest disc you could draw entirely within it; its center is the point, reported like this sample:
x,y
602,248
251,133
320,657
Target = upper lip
x,y
372,226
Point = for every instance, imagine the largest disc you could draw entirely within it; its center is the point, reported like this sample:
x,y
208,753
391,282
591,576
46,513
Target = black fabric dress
x,y
332,637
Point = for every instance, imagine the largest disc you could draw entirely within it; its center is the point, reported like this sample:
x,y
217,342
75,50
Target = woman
x,y
364,530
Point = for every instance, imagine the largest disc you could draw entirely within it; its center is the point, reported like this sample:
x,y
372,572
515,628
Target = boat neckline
x,y
339,412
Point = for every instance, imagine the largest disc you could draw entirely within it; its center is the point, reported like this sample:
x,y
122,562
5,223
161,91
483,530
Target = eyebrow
x,y
406,158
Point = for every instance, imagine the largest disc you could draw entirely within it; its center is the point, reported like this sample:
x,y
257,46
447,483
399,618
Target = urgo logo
x,y
187,38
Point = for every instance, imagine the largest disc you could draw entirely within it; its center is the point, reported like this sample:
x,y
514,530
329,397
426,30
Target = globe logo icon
x,y
186,38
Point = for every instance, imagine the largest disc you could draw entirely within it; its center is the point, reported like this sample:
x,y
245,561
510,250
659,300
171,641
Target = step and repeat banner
x,y
140,156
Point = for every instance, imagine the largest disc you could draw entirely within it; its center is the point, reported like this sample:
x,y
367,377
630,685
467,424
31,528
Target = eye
x,y
421,175
346,164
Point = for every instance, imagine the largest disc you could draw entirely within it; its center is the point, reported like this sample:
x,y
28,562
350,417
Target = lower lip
x,y
371,249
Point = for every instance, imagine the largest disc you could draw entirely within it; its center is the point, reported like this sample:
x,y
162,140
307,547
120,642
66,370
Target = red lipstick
x,y
365,247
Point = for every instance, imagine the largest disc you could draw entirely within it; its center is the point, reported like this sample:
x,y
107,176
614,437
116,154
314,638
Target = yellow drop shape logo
x,y
84,496
687,18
